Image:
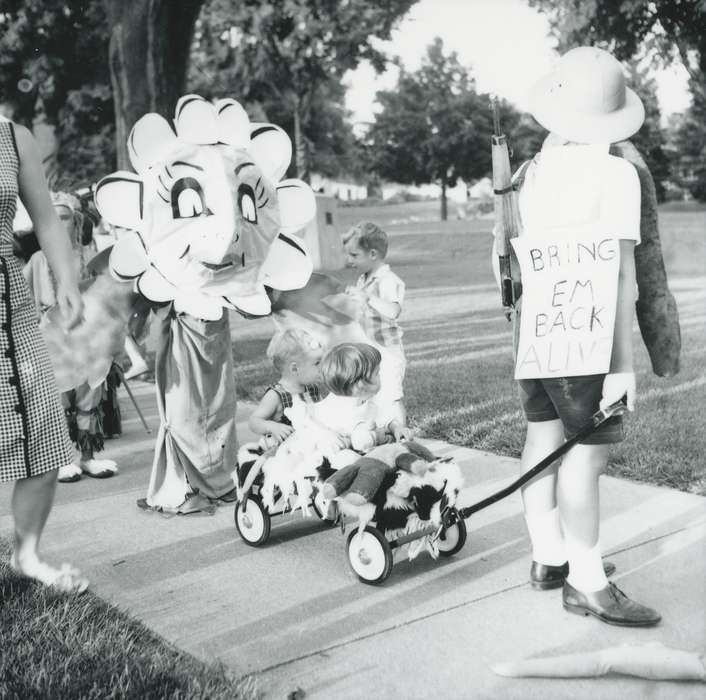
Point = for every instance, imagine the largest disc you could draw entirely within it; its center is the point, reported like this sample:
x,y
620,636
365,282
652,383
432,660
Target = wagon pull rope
x,y
596,420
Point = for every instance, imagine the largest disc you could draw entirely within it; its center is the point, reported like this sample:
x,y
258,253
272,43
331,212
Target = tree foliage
x,y
78,56
291,55
60,48
675,28
650,140
435,127
688,144
667,30
148,55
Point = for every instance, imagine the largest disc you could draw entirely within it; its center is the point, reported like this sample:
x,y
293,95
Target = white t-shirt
x,y
580,192
342,413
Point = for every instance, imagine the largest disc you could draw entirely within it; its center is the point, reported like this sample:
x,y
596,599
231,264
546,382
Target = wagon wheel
x,y
369,555
320,506
453,537
252,521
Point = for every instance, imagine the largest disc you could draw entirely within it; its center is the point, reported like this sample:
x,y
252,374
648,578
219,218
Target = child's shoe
x,y
609,605
99,468
544,577
69,473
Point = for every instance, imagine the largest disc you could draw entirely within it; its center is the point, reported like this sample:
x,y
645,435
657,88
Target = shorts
x,y
573,400
392,368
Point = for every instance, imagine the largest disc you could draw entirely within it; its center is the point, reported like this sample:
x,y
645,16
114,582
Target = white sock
x,y
544,529
585,566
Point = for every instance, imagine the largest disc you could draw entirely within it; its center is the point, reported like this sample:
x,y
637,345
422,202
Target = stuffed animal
x,y
401,488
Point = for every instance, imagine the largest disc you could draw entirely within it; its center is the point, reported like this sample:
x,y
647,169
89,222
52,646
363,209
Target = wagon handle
x,y
595,422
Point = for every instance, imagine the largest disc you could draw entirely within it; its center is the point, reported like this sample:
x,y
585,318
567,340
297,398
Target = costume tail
x,y
657,313
652,661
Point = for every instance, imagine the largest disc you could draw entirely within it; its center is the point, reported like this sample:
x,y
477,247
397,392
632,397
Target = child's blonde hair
x,y
344,365
290,345
368,236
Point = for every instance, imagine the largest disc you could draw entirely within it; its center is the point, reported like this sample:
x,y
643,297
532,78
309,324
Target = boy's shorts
x,y
392,369
573,400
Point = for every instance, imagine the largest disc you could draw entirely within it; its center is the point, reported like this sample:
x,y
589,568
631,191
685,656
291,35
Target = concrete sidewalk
x,y
293,614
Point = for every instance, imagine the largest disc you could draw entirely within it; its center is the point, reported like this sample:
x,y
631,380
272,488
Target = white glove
x,y
615,386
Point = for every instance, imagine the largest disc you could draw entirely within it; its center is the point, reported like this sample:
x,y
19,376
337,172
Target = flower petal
x,y
155,287
128,258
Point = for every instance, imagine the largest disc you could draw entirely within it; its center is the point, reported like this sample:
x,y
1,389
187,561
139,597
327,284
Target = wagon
x,y
370,548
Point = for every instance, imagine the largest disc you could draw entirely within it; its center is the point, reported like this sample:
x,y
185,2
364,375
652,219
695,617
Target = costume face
x,y
210,228
361,260
211,205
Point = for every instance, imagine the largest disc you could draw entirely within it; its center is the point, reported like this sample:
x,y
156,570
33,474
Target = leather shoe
x,y
609,605
544,577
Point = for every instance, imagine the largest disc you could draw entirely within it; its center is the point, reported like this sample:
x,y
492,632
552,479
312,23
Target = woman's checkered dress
x,y
33,434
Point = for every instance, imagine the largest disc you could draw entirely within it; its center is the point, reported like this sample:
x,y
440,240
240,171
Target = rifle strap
x,y
518,178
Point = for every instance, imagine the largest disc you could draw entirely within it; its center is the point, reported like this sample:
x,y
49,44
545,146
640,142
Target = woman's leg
x,y
32,500
539,494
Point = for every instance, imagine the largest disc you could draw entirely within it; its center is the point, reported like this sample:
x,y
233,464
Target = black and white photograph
x,y
352,349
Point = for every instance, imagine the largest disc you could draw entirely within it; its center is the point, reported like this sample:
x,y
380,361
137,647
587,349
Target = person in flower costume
x,y
211,227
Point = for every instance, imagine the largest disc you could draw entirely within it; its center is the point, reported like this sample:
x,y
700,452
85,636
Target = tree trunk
x,y
150,42
444,203
302,163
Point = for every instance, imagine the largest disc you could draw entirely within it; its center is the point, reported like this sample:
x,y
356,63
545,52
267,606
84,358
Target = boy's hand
x,y
280,431
615,386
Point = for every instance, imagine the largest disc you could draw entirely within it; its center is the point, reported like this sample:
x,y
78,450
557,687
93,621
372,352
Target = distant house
x,y
459,194
349,189
345,188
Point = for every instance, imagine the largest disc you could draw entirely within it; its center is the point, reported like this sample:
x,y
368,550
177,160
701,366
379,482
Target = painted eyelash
x,y
164,195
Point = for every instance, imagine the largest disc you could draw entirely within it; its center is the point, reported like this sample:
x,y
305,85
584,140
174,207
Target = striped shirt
x,y
386,285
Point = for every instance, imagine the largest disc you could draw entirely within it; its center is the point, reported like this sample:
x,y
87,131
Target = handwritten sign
x,y
570,289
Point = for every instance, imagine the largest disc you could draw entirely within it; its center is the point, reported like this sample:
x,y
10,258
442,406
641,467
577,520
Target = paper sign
x,y
570,290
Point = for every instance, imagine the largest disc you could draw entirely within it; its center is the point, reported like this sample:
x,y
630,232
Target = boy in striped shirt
x,y
381,294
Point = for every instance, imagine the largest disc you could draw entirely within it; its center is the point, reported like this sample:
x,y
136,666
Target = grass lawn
x,y
459,384
57,646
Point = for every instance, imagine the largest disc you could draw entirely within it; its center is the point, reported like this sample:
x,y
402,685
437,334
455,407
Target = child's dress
x,y
310,394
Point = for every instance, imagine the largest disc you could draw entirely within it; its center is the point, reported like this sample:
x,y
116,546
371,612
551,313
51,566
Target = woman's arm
x,y
34,194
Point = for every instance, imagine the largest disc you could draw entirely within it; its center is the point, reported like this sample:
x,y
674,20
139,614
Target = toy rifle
x,y
507,219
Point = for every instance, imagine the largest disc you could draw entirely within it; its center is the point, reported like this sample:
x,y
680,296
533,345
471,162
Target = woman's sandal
x,y
66,579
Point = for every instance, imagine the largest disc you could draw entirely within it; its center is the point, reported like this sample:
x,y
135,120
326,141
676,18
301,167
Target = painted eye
x,y
189,204
246,202
187,199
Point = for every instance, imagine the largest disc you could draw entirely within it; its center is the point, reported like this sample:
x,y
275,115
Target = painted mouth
x,y
217,266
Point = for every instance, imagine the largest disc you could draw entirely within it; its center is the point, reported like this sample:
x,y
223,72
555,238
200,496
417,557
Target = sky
x,y
506,43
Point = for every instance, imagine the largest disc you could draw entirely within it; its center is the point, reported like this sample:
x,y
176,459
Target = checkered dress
x,y
33,434
310,394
